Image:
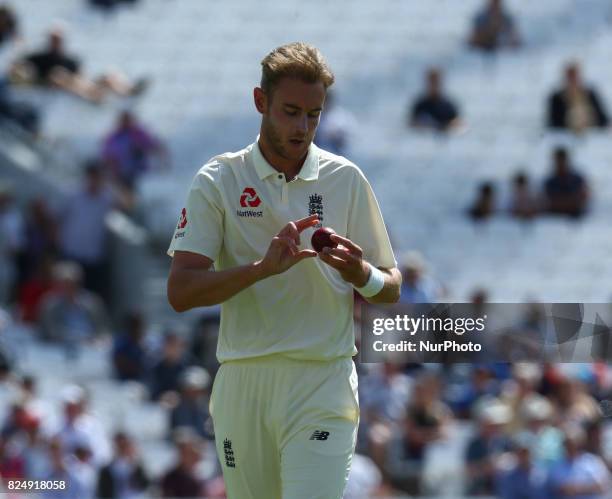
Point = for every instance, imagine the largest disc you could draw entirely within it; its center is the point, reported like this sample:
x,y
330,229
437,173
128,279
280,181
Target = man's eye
x,y
314,115
291,113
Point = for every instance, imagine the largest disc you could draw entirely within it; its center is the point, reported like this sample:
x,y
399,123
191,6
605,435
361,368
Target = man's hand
x,y
283,252
347,259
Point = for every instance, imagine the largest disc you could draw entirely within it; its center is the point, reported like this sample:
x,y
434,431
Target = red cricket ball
x,y
320,239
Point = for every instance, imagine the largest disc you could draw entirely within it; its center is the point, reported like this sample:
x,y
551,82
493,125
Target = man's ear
x,y
261,100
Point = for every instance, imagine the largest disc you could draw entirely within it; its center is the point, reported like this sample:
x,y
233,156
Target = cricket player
x,y
284,402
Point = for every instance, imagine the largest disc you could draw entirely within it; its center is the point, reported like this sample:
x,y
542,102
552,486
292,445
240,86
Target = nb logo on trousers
x,y
319,435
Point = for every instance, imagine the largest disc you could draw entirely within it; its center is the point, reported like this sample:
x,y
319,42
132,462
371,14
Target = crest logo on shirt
x,y
249,198
315,207
183,220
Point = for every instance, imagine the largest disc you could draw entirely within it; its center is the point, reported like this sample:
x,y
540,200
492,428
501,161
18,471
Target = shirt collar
x,y
309,170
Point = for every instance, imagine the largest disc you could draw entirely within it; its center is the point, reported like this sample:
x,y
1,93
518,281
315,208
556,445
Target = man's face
x,y
290,116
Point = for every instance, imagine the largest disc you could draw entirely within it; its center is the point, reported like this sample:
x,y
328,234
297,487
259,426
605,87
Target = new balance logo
x,y
319,435
230,462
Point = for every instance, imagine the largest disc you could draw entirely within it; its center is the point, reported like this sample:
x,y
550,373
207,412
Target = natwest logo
x,y
249,198
183,220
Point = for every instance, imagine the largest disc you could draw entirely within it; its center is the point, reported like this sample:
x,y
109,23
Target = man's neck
x,y
290,168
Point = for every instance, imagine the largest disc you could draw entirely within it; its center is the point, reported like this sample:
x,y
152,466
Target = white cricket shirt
x,y
236,204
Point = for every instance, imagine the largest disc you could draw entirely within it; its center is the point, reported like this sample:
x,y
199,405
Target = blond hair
x,y
295,60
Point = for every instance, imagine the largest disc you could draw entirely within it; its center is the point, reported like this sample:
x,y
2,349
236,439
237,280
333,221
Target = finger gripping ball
x,y
321,238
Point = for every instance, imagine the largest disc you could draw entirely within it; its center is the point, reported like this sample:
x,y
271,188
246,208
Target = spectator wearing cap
x,y
434,110
124,477
520,390
522,478
71,315
579,474
538,415
80,428
83,235
485,448
417,285
128,149
192,409
576,107
182,480
566,192
494,28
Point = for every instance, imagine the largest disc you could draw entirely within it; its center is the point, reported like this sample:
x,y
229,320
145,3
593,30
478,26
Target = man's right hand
x,y
283,252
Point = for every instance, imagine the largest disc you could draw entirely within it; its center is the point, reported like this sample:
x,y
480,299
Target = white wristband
x,y
375,283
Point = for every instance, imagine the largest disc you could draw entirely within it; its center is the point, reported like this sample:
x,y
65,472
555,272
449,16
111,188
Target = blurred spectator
x,y
384,393
565,190
204,339
524,203
520,390
486,447
12,464
128,149
11,243
124,477
182,480
83,232
18,419
129,352
17,112
34,290
84,470
64,469
192,409
484,205
109,4
580,474
81,429
425,421
40,236
574,403
417,285
53,67
6,359
36,452
70,314
335,128
8,24
575,106
537,413
522,478
494,28
480,385
166,373
433,109
365,479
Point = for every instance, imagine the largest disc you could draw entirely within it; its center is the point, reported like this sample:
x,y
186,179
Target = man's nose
x,y
302,124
